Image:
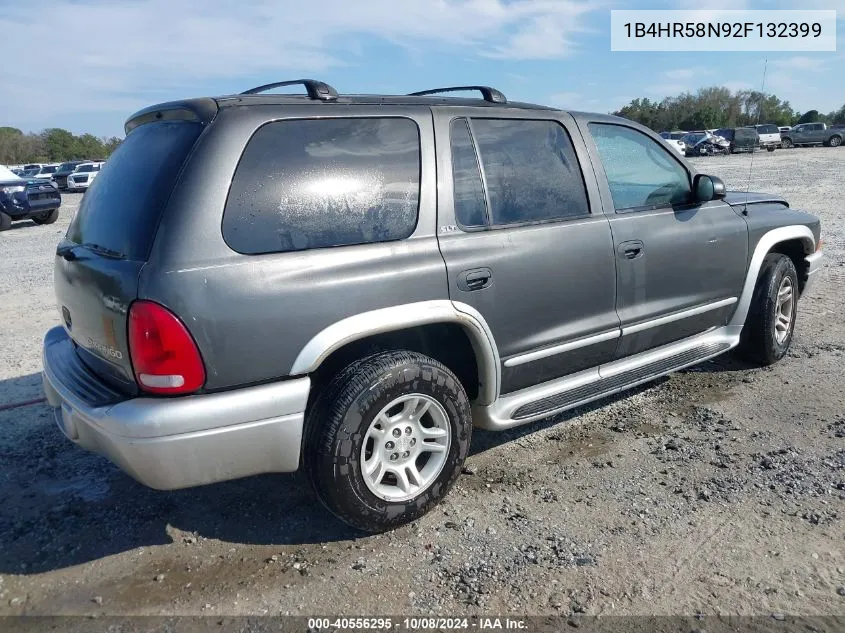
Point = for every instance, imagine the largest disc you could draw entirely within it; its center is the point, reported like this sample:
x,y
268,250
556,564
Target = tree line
x,y
53,145
717,107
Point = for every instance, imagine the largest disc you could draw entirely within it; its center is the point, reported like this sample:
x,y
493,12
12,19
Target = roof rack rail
x,y
315,89
490,94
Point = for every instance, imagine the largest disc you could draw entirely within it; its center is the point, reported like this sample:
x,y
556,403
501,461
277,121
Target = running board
x,y
534,403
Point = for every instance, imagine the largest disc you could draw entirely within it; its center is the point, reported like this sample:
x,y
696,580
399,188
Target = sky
x,y
86,65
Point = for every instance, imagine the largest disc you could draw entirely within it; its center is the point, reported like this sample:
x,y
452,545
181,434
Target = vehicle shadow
x,y
61,505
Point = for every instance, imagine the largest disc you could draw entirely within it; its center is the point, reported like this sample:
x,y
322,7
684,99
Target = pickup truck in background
x,y
813,134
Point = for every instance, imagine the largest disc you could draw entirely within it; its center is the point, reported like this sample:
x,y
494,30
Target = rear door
x,y
680,265
98,262
525,242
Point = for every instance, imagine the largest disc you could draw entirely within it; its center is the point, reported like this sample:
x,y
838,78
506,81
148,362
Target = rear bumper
x,y
814,263
169,443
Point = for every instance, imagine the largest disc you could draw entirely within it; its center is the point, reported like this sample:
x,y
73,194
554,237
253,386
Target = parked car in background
x,y
27,199
419,294
83,176
678,146
783,130
677,135
704,143
740,139
65,170
770,138
45,172
31,166
813,134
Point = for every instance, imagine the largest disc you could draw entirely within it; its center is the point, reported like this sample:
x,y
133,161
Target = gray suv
x,y
349,284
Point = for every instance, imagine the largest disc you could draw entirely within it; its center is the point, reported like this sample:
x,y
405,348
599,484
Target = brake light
x,y
164,355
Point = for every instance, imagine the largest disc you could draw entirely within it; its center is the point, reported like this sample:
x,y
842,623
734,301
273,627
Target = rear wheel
x,y
46,218
5,221
770,323
386,439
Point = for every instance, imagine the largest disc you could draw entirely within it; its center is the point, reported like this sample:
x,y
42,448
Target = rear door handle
x,y
631,250
475,279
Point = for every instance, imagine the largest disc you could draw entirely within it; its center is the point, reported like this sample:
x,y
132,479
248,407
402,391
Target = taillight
x,y
164,356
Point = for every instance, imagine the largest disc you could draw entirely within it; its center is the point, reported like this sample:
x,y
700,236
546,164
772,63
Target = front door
x,y
525,241
680,264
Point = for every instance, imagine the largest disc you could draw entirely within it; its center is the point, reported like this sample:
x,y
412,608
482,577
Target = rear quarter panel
x,y
252,314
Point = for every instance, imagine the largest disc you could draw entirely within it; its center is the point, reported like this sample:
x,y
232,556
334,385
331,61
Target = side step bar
x,y
534,403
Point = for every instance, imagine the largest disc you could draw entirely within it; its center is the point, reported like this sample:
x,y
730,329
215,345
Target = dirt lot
x,y
720,490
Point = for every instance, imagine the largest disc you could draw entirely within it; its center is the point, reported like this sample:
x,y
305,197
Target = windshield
x,y
66,167
48,170
121,210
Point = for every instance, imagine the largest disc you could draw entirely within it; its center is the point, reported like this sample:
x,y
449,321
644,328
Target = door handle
x,y
631,250
475,279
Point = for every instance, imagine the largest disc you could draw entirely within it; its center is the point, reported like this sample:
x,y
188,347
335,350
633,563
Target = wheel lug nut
x,y
408,430
389,445
413,441
406,454
396,432
394,457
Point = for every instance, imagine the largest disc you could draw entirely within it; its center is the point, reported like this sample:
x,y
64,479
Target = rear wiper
x,y
102,250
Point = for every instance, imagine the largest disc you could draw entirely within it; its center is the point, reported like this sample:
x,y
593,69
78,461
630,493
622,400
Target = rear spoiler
x,y
196,110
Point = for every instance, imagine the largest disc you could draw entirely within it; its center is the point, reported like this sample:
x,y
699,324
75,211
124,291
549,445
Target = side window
x,y
470,204
317,183
640,172
531,171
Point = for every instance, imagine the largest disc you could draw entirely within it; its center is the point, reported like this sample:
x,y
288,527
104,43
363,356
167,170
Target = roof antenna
x,y
759,115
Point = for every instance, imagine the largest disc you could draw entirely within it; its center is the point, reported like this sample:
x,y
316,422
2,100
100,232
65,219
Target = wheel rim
x,y
834,142
405,447
785,310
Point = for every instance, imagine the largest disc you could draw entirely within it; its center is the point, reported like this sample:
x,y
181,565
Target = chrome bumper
x,y
814,263
169,443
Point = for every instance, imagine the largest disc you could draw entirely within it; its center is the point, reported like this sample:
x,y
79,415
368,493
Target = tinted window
x,y
122,207
84,168
726,133
746,134
324,182
48,170
531,171
470,204
640,172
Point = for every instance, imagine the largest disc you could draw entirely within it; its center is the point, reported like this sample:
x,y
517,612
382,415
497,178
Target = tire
x,y
764,340
770,148
46,218
339,439
787,143
835,141
5,221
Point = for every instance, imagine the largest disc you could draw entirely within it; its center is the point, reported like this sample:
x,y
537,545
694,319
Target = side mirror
x,y
707,188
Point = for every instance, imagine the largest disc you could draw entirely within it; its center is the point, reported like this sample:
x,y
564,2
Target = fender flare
x,y
767,242
400,317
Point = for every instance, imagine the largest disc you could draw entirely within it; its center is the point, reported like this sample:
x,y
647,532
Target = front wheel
x,y
386,439
835,141
770,148
46,218
787,143
770,323
5,221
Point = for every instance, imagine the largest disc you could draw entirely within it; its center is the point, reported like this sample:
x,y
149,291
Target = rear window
x,y
319,183
746,133
121,210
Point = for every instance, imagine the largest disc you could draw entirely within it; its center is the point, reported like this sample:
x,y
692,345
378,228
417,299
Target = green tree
x,y
810,116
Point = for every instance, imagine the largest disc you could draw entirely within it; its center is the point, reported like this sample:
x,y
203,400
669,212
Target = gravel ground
x,y
718,490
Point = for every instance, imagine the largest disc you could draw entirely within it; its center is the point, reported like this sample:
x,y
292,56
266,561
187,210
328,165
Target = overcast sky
x,y
86,65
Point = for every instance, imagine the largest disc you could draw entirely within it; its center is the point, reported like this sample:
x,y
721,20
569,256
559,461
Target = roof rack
x,y
315,89
490,94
